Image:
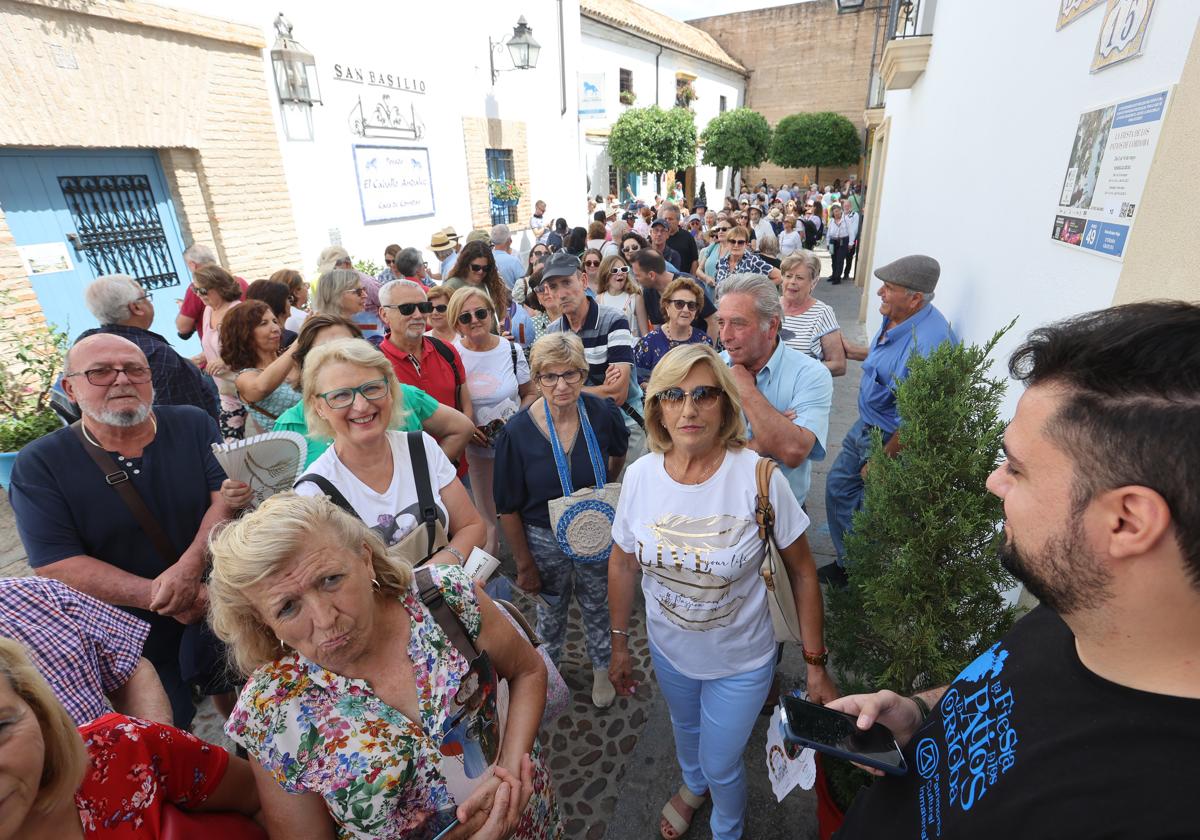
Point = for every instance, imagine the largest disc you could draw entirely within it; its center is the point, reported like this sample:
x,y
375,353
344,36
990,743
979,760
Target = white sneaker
x,y
603,692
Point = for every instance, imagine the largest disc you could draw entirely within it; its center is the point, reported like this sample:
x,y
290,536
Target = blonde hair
x,y
65,756
458,302
672,369
352,351
440,292
631,283
247,551
557,348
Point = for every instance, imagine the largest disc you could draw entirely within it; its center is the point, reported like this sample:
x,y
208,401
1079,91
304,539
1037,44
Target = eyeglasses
x,y
703,396
360,291
736,241
478,268
389,262
339,398
689,305
136,374
476,315
549,380
629,249
198,290
439,307
424,306
591,264
624,269
723,230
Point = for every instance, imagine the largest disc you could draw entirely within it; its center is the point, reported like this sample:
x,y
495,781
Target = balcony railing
x,y
910,19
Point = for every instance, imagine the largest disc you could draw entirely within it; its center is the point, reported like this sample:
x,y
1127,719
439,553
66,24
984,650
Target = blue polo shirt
x,y
794,380
511,269
887,364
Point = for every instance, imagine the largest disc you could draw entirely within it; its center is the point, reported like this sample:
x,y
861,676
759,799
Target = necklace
x,y
96,443
705,474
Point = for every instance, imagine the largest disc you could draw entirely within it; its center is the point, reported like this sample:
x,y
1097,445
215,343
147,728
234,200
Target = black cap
x,y
659,223
560,264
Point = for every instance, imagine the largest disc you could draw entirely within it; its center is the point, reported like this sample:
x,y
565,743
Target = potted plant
x,y
504,192
28,372
925,592
627,97
685,94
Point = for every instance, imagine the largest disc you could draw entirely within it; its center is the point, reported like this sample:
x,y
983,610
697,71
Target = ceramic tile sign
x,y
1106,174
394,182
1070,11
591,95
46,258
1122,33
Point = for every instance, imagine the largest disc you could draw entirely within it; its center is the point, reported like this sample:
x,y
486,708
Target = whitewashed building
x,y
633,56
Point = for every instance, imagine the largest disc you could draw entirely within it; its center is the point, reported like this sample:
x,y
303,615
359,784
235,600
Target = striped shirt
x,y
803,332
606,339
83,647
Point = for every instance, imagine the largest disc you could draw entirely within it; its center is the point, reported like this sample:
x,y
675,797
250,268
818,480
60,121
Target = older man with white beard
x,y
142,551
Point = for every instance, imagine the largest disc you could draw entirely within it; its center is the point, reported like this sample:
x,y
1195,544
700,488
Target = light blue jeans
x,y
712,720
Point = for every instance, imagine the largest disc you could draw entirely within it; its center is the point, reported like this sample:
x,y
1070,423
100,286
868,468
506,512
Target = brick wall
x,y
479,135
803,57
151,77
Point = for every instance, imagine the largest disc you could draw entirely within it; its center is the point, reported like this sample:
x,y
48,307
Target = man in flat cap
x,y
910,324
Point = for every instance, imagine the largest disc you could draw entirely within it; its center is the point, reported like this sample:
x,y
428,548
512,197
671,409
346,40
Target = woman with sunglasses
x,y
340,292
538,254
220,293
541,304
351,395
741,260
527,479
709,626
706,270
440,326
498,379
591,268
681,301
621,291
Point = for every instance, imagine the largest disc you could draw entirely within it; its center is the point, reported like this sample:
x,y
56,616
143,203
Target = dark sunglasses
x,y
736,241
478,267
702,396
591,264
477,315
628,248
389,262
723,230
425,307
439,307
689,305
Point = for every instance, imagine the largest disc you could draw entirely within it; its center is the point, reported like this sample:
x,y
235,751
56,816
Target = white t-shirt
x,y
296,320
790,243
493,385
699,551
394,512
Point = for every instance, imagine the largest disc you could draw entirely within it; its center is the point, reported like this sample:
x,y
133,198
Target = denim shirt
x,y
887,364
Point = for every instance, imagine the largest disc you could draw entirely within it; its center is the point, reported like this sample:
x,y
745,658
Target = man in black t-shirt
x,y
680,240
1083,720
658,241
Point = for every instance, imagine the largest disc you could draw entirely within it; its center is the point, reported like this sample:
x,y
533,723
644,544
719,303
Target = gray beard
x,y
123,419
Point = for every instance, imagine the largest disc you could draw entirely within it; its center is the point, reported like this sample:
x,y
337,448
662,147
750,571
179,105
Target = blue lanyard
x,y
560,458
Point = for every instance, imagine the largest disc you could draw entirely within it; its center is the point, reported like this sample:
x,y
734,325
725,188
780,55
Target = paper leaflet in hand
x,y
270,463
474,728
480,565
786,773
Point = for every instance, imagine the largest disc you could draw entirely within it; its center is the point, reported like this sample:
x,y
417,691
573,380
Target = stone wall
x,y
479,135
803,57
151,77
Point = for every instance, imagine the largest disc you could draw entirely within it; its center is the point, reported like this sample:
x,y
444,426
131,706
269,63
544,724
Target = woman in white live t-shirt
x,y
686,523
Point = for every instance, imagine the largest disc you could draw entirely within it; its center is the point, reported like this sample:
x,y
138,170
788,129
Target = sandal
x,y
673,817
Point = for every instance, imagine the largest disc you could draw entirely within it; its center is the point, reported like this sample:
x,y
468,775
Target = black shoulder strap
x,y
421,478
118,480
330,490
448,354
512,347
447,618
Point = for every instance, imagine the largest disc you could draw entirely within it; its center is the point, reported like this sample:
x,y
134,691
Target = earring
x,y
282,646
375,585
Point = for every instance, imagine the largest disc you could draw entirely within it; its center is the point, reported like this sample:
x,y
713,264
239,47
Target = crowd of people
x,y
601,406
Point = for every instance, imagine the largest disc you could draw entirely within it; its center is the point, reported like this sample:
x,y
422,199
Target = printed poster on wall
x,y
394,182
1106,174
1070,11
591,95
1123,32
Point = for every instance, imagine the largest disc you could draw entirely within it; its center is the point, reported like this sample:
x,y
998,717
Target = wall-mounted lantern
x,y
522,48
850,5
295,81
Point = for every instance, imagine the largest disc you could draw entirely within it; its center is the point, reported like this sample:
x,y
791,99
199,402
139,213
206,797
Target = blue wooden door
x,y
78,215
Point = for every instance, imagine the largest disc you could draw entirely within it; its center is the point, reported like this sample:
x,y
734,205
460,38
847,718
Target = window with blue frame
x,y
500,168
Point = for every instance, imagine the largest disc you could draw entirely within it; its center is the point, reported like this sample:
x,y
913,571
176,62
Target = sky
x,y
691,9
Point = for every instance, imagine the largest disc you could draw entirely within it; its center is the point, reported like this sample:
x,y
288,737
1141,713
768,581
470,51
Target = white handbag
x,y
780,599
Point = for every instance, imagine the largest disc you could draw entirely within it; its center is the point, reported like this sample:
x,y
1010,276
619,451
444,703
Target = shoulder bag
x,y
558,695
419,544
582,519
784,618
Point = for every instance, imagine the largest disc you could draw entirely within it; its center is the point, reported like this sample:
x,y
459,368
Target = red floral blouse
x,y
134,768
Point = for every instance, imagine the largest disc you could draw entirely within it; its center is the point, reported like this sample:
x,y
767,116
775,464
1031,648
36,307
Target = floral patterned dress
x,y
319,732
134,768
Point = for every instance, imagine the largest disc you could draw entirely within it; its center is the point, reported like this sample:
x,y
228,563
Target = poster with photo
x,y
1106,173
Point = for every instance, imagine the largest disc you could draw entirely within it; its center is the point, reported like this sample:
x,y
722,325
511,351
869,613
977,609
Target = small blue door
x,y
78,215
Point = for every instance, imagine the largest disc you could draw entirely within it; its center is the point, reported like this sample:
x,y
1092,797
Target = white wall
x,y
606,50
446,47
977,154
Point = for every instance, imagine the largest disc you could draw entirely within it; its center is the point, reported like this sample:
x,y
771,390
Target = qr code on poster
x,y
1127,209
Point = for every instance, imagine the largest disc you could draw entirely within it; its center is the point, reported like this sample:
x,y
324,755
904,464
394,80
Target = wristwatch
x,y
816,658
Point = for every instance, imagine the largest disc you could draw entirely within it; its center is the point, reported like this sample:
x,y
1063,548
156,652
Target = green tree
x,y
820,139
924,597
653,140
739,138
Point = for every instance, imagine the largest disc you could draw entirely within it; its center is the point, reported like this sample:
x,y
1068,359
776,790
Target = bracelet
x,y
922,705
617,632
462,561
816,658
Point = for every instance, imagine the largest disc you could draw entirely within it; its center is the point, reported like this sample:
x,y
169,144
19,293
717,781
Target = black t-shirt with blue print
x,y
1027,742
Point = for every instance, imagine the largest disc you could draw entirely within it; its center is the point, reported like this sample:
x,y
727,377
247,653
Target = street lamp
x,y
522,48
295,82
